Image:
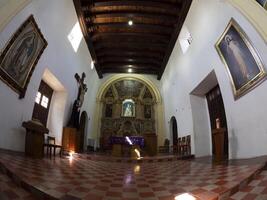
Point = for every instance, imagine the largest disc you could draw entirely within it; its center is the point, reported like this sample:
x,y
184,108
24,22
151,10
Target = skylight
x,y
75,36
185,39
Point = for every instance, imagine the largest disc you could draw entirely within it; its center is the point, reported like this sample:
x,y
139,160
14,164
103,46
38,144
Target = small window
x,y
38,97
185,39
45,101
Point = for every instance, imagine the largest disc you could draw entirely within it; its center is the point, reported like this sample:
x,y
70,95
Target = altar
x,y
122,146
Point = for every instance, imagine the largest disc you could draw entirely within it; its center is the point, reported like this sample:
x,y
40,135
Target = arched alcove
x,y
110,98
174,131
83,130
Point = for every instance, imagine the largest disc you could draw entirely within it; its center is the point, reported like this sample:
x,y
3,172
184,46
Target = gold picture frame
x,y
20,56
128,108
241,59
263,3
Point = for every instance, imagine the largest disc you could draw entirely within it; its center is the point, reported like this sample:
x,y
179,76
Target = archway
x,y
174,131
82,129
158,108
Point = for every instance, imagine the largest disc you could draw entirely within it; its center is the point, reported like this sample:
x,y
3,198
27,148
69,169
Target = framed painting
x,y
128,108
263,3
20,56
242,61
108,111
147,111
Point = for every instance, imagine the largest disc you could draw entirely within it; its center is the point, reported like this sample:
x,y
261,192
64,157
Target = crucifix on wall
x,y
74,119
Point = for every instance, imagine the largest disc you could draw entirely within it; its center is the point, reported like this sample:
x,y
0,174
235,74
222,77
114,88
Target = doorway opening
x,y
174,131
217,113
83,130
42,103
50,110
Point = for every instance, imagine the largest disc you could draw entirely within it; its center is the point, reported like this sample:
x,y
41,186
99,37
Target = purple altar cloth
x,y
136,140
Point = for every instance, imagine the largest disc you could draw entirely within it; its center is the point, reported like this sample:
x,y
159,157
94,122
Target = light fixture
x,y
185,196
130,70
130,22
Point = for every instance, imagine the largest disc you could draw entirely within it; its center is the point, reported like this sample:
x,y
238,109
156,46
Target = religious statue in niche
x,y
74,119
108,111
147,111
128,108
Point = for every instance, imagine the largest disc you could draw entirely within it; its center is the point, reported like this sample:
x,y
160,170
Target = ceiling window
x,y
75,36
185,39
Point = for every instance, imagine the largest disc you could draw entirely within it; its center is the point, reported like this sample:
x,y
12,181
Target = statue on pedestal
x,y
74,119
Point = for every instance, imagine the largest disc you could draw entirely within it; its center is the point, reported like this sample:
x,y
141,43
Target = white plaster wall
x,y
55,121
55,19
246,117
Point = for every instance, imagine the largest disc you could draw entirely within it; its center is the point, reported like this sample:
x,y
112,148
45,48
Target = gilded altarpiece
x,y
128,110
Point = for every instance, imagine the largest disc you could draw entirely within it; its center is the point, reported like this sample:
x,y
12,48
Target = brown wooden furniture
x,y
184,145
40,111
218,137
151,144
34,140
70,139
166,147
51,144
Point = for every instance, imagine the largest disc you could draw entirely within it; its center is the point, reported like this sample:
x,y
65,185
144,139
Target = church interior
x,y
133,99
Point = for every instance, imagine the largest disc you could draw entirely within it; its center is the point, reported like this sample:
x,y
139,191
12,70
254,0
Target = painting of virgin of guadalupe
x,y
20,56
242,62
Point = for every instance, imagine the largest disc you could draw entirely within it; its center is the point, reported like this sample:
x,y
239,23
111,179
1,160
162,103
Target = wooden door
x,y
216,110
42,103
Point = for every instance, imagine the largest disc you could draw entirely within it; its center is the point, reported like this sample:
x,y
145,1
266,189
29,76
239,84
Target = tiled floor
x,y
256,190
10,191
101,180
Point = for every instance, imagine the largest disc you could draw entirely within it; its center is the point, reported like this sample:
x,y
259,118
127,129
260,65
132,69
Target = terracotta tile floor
x,y
81,178
10,191
256,190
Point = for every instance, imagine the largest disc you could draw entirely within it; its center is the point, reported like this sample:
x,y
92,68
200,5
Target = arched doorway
x,y
82,129
174,131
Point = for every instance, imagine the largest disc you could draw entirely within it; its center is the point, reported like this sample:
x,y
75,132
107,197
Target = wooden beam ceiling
x,y
144,47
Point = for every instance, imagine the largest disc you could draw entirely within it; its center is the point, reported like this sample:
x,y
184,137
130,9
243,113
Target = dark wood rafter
x,y
178,27
78,7
145,46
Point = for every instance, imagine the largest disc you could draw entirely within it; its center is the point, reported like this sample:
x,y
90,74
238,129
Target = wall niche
x,y
128,109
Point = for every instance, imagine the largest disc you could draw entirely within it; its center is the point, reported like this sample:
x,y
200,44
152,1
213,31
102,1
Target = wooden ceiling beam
x,y
178,27
136,45
136,71
137,28
122,65
146,3
130,62
172,11
161,1
137,18
130,36
120,52
132,48
126,58
145,47
78,8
